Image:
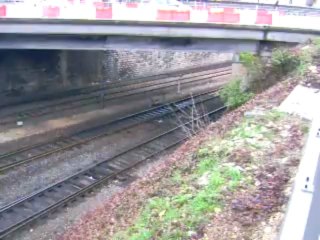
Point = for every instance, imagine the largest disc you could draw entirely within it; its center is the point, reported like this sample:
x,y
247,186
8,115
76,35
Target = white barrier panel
x,y
248,17
78,11
154,12
23,11
199,16
134,12
285,20
291,21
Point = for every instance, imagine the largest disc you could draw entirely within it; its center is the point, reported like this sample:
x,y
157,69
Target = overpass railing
x,y
167,11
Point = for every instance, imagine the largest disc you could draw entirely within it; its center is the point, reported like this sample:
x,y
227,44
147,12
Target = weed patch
x,y
305,127
233,96
219,168
249,60
316,43
284,61
178,214
274,115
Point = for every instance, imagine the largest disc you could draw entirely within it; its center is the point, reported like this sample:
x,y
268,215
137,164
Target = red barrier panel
x,y
227,16
98,4
232,18
173,15
215,17
104,13
51,12
3,11
165,15
264,17
228,10
181,15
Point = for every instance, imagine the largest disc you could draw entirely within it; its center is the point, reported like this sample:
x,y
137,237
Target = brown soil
x,y
246,210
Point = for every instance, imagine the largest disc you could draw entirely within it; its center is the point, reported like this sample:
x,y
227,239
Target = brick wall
x,y
41,71
122,65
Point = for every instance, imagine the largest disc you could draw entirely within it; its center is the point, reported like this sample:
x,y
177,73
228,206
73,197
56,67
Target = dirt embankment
x,y
252,209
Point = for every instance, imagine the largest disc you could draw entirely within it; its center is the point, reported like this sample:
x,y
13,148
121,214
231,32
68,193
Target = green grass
x,y
195,194
305,127
252,132
176,215
316,43
275,115
177,177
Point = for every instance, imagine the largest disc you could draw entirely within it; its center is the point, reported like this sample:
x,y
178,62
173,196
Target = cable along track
x,y
115,91
33,152
97,86
38,204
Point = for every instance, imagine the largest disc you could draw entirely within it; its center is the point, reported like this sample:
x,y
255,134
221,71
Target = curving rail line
x,y
38,204
115,91
33,152
47,96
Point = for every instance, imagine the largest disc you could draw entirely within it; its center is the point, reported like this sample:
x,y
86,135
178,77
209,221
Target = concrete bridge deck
x,y
142,25
111,34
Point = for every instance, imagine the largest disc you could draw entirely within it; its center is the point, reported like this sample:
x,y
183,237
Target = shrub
x,y
305,59
284,61
255,70
316,43
233,96
253,64
249,60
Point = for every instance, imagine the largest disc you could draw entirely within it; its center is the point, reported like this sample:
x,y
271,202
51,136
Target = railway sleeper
x,y
5,161
100,171
139,154
116,165
124,161
95,175
76,183
53,195
24,211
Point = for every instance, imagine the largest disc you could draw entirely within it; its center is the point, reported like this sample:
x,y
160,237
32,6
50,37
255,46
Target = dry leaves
x,y
122,208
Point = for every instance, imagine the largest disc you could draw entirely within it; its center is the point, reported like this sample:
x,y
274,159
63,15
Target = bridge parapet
x,y
240,14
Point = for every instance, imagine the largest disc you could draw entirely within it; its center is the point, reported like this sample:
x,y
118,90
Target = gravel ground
x,y
58,121
37,174
105,219
57,223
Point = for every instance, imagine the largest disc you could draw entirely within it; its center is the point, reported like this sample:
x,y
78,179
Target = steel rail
x,y
24,211
91,89
116,93
13,159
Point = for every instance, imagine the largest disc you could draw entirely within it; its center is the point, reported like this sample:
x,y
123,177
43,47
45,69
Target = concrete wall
x,y
24,72
122,65
82,67
27,71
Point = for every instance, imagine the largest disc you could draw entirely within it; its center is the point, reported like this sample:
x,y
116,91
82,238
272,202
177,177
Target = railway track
x,y
33,152
38,204
114,91
94,88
